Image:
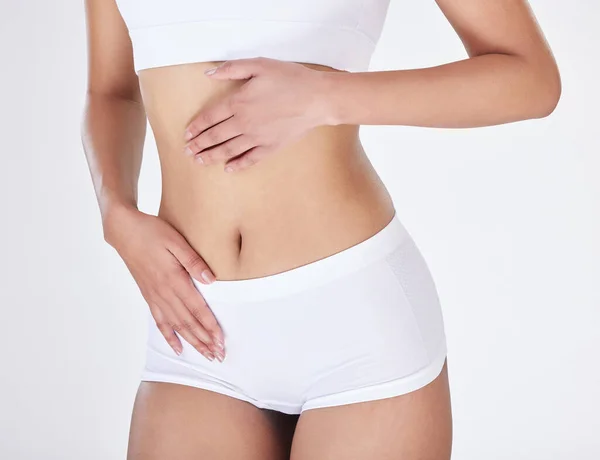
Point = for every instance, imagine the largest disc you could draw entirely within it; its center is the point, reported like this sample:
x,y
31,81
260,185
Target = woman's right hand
x,y
161,261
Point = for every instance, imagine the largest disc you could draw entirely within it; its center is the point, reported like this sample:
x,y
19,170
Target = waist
x,y
277,215
319,272
306,201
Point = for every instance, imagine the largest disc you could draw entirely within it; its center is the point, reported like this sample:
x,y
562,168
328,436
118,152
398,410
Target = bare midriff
x,y
312,198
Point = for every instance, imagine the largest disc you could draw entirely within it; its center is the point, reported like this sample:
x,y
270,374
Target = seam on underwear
x,y
441,349
216,382
408,302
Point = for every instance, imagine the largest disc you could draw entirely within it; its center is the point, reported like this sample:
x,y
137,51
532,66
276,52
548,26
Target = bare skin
x,y
176,421
180,422
260,221
415,426
314,195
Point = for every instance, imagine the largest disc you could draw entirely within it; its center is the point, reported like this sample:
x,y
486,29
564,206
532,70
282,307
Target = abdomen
x,y
312,198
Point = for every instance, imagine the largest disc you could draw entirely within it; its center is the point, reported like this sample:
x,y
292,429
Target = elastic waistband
x,y
313,274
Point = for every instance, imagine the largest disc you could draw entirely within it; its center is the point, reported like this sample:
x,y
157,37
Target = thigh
x,y
414,426
172,421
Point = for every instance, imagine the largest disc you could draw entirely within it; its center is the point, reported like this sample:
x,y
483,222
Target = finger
x,y
182,322
197,306
170,336
248,159
215,135
217,350
238,69
164,328
190,260
229,149
185,321
167,330
208,117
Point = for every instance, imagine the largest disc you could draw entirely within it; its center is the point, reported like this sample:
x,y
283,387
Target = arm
x,y
510,75
114,120
159,258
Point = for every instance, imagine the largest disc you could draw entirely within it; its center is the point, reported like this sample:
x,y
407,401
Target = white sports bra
x,y
337,33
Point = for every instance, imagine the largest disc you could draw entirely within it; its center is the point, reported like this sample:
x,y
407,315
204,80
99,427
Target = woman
x,y
311,325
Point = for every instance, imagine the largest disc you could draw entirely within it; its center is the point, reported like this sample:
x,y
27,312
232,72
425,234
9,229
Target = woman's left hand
x,y
278,104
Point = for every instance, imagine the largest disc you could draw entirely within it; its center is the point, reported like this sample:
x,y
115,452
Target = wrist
x,y
113,216
325,96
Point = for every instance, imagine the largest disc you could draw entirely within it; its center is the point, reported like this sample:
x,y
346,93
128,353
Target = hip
x,y
362,324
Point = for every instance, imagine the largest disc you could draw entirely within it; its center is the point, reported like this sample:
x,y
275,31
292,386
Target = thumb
x,y
192,262
238,69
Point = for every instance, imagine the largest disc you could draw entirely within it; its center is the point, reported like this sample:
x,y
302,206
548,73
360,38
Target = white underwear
x,y
359,325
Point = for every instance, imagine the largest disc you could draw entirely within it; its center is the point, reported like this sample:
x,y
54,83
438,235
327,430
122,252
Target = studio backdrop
x,y
507,218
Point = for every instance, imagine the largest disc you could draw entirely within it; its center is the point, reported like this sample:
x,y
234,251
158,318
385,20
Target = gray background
x,y
506,216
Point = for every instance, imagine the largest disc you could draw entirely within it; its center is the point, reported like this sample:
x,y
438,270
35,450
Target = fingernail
x,y
207,276
199,159
218,343
228,169
188,135
188,151
220,356
177,352
210,71
209,356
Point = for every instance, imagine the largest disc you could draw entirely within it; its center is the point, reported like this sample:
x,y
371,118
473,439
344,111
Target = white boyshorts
x,y
359,325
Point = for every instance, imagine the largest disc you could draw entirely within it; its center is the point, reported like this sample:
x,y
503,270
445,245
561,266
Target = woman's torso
x,y
314,197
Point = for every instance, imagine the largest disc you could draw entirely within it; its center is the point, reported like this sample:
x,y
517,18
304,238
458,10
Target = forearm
x,y
484,90
113,132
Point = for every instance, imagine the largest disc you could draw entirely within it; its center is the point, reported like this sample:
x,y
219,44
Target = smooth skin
x,y
302,188
510,75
